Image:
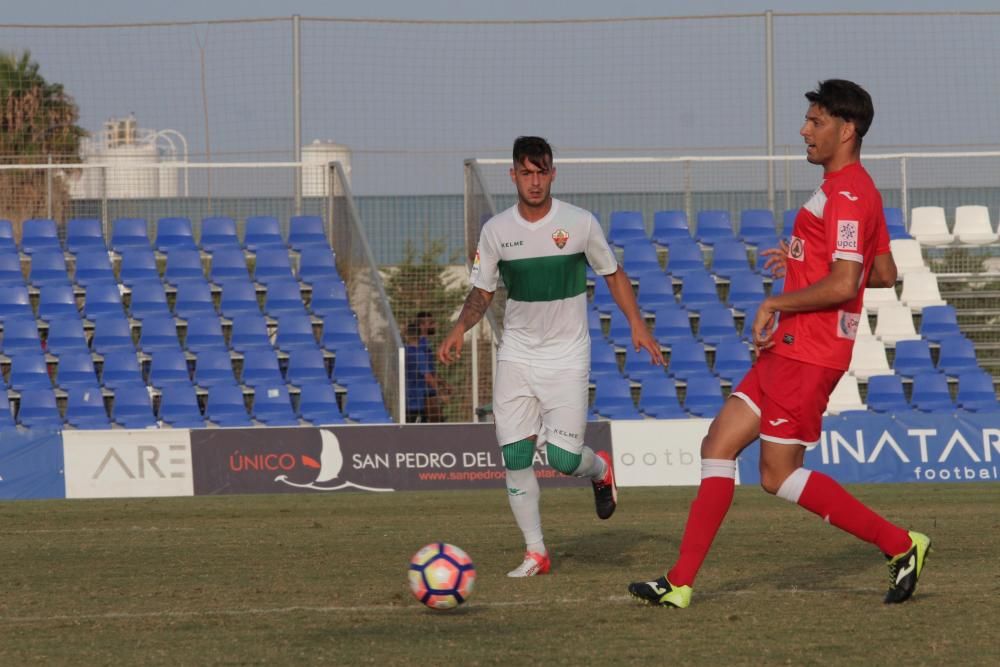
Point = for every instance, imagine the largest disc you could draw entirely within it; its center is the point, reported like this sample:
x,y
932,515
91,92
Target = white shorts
x,y
549,403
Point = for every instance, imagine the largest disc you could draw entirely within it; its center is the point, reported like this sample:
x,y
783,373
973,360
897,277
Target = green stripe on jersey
x,y
545,278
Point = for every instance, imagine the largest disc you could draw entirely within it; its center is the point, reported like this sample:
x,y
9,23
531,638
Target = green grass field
x,y
321,579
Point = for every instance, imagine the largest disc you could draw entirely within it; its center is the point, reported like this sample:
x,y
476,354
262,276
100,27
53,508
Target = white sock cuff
x,y
718,468
791,489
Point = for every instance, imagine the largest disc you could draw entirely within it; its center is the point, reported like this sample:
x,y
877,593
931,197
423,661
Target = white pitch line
x,y
130,529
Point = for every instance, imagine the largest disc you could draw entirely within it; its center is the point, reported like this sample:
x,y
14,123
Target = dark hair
x,y
845,100
412,330
534,149
424,314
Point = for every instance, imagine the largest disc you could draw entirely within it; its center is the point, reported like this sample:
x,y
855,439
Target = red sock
x,y
824,496
709,508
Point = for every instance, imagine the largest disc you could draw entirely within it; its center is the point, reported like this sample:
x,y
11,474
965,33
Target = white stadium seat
x,y
928,225
864,326
972,225
895,323
869,358
907,256
845,396
921,290
877,296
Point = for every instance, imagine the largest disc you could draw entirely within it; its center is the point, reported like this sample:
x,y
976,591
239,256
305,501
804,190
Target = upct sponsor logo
x,y
144,462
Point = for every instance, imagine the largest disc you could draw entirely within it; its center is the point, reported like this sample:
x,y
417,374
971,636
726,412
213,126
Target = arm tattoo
x,y
474,309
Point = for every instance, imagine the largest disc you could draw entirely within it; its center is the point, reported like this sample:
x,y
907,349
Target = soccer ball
x,y
441,575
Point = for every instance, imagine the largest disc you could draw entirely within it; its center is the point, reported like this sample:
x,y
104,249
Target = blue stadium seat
x,y
746,290
340,331
169,367
625,227
620,331
976,392
655,289
204,334
684,256
640,257
703,396
262,231
148,299
39,234
214,367
10,268
930,393
273,406
318,405
38,409
85,234
758,228
20,334
603,359
112,332
687,360
132,407
329,296
76,368
93,266
7,422
66,334
158,332
194,299
613,399
603,301
639,367
896,225
249,334
128,234
138,263
729,256
239,297
183,263
732,360
913,357
673,324
218,232
29,370
121,367
712,226
659,399
716,325
14,302
101,299
179,406
260,368
788,222
229,263
85,408
225,406
306,231
352,365
698,289
48,267
777,287
594,324
937,322
284,295
669,225
174,233
7,236
317,266
364,404
307,366
958,355
295,332
272,264
55,301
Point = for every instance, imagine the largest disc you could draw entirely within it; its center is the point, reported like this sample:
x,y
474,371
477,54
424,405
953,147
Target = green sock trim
x,y
518,455
563,461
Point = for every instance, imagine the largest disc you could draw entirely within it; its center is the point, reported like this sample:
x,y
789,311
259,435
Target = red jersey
x,y
843,220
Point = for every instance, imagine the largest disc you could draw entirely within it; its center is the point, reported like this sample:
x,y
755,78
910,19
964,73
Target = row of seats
x,y
929,226
930,393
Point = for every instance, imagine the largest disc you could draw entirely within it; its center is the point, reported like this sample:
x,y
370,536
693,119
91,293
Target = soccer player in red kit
x,y
839,245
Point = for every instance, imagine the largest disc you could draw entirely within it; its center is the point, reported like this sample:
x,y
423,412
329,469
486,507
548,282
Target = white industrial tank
x,y
315,158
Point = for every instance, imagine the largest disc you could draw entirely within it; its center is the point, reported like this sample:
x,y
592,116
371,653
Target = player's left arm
x,y
621,290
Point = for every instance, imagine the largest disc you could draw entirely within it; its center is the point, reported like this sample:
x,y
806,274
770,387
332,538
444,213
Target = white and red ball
x,y
441,575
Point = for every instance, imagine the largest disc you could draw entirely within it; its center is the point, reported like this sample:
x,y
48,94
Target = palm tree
x,y
37,123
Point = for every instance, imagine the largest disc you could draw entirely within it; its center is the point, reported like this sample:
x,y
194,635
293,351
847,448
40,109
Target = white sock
x,y
591,466
524,494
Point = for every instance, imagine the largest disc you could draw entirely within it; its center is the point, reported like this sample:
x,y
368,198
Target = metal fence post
x,y
769,78
297,108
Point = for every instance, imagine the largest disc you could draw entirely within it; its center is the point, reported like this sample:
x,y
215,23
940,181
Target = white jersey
x,y
543,265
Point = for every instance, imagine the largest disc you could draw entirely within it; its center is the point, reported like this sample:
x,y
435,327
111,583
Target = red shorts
x,y
789,396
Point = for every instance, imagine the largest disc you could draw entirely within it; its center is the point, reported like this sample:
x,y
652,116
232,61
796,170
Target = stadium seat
x,y
684,256
183,263
179,406
132,407
885,394
712,226
260,368
613,399
272,264
319,404
625,227
128,234
7,236
48,267
38,409
655,289
85,407
148,299
76,367
929,227
878,296
777,287
239,298
864,325
603,301
907,255
284,295
639,367
10,268
352,365
937,322
66,334
716,325
249,334
977,392
20,334
687,359
329,296
112,332
895,224
931,394
973,226
703,396
603,359
669,225
317,266
732,360
138,263
958,355
229,263
920,289
39,234
868,358
758,228
29,370
93,266
121,367
894,323
639,256
173,234
225,406
594,324
295,332
14,302
845,397
194,299
272,405
364,404
55,301
218,232
620,331
169,367
729,256
101,299
698,289
746,290
7,422
659,399
158,332
788,222
85,234
214,367
672,323
306,231
204,334
913,357
262,231
307,366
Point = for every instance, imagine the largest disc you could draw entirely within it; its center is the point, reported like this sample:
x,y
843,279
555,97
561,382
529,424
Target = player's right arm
x,y
475,307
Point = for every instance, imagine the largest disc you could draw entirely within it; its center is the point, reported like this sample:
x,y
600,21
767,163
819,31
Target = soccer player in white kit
x,y
541,247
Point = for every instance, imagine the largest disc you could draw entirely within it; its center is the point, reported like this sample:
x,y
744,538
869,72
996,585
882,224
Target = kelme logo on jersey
x,y
560,237
511,244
